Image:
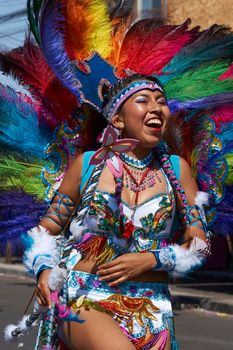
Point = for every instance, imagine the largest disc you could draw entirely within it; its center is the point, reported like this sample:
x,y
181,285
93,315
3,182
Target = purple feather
x,y
19,212
213,101
51,23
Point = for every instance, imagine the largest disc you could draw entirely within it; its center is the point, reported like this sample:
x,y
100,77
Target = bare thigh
x,y
98,332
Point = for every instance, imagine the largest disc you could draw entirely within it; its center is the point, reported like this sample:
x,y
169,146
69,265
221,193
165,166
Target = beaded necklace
x,y
135,177
138,175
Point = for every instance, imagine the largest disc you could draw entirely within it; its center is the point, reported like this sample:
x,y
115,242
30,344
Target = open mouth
x,y
154,123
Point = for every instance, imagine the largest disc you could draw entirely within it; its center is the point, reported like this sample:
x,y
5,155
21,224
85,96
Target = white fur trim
x,y
202,198
187,260
56,278
8,332
43,243
22,324
75,229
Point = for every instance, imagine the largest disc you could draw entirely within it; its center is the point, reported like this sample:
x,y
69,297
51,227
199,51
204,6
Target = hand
x,y
42,290
125,267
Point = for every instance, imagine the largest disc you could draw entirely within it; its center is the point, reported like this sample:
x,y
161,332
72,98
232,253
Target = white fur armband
x,y
42,252
179,261
188,260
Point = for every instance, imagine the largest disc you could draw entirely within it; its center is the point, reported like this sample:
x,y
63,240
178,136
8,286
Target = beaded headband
x,y
114,104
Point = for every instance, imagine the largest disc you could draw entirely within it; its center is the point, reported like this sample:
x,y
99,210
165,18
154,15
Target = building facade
x,y
202,12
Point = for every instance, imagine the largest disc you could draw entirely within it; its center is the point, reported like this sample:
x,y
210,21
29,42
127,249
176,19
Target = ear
x,y
117,121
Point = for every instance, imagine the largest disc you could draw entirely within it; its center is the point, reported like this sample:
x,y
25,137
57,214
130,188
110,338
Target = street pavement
x,y
203,308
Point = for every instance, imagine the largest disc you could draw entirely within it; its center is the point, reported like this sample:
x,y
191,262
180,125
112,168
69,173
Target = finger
x,y
109,264
111,277
43,292
108,271
41,300
47,297
120,280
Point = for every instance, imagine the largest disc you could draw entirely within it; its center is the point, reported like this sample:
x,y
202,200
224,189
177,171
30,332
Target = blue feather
x,y
19,129
52,43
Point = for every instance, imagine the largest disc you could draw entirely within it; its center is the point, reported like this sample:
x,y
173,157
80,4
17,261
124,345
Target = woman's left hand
x,y
125,267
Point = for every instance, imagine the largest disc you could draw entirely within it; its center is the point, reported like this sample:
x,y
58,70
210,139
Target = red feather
x,y
145,41
27,64
221,116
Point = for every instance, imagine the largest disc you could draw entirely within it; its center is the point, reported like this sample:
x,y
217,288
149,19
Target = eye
x,y
141,99
162,101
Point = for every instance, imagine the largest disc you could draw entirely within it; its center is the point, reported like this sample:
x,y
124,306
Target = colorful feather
x,y
88,28
216,43
19,130
198,83
53,46
19,175
29,67
145,40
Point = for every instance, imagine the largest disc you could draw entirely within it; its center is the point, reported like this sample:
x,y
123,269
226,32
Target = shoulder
x,y
185,170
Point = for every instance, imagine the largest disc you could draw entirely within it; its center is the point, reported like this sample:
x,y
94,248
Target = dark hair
x,y
108,92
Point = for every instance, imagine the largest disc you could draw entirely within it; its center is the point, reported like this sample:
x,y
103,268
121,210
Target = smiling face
x,y
143,116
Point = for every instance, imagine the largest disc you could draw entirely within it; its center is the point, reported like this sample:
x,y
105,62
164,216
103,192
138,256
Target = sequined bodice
x,y
152,220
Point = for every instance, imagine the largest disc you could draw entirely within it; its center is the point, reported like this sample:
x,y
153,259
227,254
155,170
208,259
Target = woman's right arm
x,y
44,249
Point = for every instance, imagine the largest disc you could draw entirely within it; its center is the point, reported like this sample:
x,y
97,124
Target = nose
x,y
155,107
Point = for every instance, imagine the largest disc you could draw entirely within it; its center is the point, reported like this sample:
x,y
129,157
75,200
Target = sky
x,y
12,30
13,23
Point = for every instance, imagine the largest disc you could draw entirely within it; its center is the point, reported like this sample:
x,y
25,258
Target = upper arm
x,y
195,228
188,182
72,179
70,187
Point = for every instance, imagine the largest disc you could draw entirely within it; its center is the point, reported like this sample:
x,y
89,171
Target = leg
x,y
99,332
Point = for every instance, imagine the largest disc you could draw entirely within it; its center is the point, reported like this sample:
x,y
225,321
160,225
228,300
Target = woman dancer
x,y
122,251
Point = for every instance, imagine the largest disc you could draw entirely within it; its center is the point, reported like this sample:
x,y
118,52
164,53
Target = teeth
x,y
154,121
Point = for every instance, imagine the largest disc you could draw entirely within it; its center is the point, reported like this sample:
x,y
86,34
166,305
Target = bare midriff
x,y
90,266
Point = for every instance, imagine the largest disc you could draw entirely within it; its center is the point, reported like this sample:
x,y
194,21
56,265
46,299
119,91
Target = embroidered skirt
x,y
142,310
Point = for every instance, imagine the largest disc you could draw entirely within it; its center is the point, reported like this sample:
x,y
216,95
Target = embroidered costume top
x,y
102,236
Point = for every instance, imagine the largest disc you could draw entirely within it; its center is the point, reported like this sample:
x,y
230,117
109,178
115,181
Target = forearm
x,y
43,241
182,259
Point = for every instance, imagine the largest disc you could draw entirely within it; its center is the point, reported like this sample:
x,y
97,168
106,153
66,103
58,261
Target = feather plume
x,y
28,66
145,41
19,130
194,84
221,116
88,28
229,179
213,44
52,37
24,176
33,9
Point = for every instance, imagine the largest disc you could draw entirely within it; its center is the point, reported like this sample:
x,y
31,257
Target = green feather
x,y
229,179
197,83
19,175
33,9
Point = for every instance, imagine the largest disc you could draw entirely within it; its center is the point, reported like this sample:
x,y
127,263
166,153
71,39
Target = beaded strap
x,y
60,209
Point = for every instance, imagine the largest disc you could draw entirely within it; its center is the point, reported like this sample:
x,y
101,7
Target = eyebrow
x,y
144,94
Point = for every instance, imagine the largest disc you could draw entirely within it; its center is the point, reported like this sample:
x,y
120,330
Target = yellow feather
x,y
100,33
88,28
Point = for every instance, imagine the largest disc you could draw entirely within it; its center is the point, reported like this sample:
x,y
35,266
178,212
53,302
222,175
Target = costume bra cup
x,y
152,219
